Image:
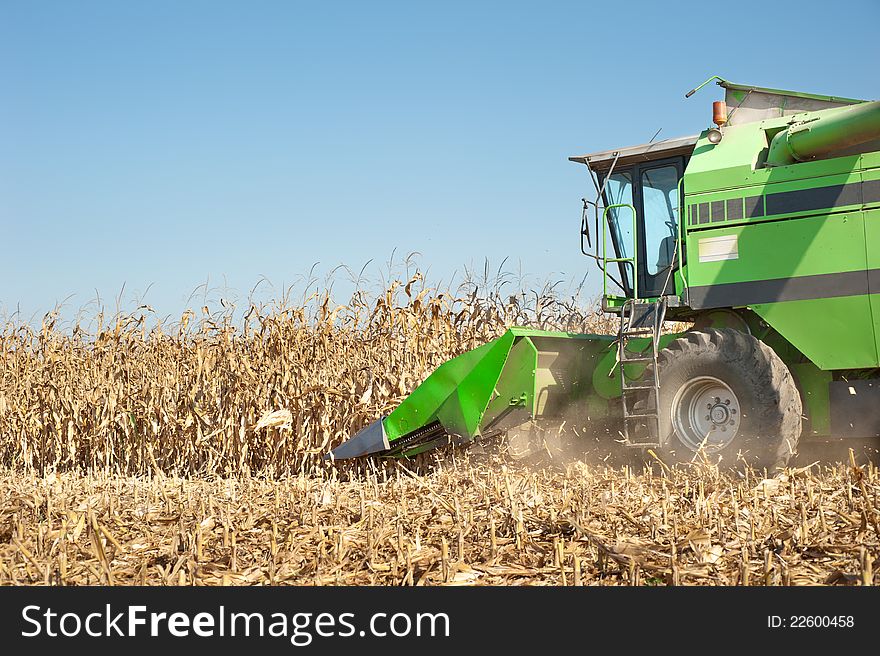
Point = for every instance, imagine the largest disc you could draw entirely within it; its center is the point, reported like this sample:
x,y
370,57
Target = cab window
x,y
660,205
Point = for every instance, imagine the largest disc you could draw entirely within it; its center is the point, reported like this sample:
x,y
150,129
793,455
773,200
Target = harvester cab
x,y
635,216
761,233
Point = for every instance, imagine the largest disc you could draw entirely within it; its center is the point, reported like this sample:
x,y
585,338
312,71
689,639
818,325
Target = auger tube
x,y
824,132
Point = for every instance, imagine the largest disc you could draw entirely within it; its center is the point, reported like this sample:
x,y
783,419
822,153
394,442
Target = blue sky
x,y
162,144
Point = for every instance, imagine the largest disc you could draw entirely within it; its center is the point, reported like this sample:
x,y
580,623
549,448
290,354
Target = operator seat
x,y
667,249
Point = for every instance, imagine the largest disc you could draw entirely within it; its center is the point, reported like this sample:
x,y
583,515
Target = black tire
x,y
765,396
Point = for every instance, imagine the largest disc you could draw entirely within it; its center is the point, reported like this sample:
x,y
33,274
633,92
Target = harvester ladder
x,y
640,319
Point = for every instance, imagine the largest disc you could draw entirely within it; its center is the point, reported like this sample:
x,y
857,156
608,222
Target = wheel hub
x,y
705,414
719,414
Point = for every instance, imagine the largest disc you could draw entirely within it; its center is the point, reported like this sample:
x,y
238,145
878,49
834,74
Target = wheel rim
x,y
705,413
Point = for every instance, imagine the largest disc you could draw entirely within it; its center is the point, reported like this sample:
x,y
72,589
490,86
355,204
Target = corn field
x,y
270,395
192,454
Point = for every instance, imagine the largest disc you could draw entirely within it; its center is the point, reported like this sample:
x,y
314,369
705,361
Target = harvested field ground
x,y
471,520
137,452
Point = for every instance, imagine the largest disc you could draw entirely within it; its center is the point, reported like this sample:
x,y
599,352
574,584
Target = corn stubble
x,y
193,456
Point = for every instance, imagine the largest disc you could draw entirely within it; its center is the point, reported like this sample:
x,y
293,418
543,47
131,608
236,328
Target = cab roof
x,y
602,160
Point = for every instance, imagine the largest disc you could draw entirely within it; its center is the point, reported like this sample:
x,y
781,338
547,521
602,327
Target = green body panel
x,y
834,333
783,250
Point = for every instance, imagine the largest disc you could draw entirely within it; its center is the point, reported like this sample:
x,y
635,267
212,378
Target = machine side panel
x,y
834,333
807,277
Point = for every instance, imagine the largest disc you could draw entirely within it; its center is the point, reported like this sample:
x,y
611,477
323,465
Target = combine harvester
x,y
764,231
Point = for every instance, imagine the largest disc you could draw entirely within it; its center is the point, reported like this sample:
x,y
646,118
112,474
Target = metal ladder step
x,y
643,445
633,316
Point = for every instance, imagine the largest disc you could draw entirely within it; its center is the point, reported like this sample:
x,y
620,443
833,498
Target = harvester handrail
x,y
633,261
600,198
683,220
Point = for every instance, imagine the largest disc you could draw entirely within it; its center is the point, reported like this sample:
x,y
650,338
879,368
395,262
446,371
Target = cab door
x,y
657,201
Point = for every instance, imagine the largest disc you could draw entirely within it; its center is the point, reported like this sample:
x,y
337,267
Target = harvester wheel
x,y
728,394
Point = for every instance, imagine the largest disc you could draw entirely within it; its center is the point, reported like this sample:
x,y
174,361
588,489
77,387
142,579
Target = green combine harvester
x,y
764,233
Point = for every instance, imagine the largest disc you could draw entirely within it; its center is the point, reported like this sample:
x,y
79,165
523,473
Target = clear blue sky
x,y
169,143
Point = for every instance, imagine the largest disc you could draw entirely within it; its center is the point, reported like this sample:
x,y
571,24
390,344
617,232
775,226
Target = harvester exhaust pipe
x,y
820,135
